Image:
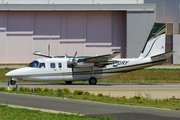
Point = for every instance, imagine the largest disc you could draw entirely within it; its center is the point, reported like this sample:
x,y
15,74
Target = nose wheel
x,y
13,82
92,81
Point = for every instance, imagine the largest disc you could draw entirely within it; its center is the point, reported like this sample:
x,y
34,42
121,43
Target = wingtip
x,y
116,52
37,52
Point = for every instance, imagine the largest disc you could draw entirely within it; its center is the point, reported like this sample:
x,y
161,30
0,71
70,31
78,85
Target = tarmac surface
x,y
92,109
150,90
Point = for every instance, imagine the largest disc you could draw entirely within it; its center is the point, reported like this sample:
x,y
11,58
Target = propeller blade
x,y
74,56
73,70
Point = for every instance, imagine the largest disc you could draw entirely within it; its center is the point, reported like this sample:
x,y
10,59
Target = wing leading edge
x,y
101,60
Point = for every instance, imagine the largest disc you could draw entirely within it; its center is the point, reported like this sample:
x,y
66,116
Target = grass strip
x,y
137,100
8,113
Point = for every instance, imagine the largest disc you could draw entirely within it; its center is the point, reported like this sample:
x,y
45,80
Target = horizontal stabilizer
x,y
39,54
162,56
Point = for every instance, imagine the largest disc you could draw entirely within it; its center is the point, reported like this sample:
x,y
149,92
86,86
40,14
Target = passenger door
x,y
56,70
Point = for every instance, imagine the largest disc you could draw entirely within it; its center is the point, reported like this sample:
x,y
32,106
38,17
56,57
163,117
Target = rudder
x,y
155,43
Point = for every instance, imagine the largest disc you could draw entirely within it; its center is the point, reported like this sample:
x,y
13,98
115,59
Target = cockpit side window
x,y
42,65
60,65
34,64
53,65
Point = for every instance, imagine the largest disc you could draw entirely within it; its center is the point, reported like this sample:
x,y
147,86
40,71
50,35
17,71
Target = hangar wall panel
x,y
42,45
88,32
119,31
19,21
99,27
139,25
19,49
168,11
3,45
73,25
2,19
70,47
46,23
176,48
92,51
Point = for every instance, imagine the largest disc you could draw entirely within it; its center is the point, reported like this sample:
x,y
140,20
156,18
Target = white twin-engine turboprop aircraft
x,y
83,68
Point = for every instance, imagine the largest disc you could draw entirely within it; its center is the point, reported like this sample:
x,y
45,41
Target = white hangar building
x,y
91,27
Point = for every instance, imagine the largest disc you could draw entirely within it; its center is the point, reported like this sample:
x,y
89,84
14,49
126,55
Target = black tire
x,y
13,82
92,81
68,82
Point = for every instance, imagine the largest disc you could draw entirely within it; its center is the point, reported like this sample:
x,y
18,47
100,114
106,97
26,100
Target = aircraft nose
x,y
21,72
9,74
12,73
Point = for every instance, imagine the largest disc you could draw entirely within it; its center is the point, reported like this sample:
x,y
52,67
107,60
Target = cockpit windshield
x,y
34,64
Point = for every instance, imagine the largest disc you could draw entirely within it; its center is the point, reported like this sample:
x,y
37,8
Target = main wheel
x,y
68,82
92,81
13,82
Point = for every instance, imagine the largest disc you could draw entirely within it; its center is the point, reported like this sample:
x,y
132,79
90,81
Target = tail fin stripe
x,y
161,32
150,48
158,29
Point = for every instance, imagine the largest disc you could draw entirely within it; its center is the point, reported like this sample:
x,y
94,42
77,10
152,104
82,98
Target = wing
x,y
101,60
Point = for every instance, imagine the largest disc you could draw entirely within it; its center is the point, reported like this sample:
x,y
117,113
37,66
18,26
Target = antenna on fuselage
x,y
66,55
48,49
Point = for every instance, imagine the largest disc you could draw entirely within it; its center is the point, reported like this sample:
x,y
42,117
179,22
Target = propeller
x,y
74,63
73,60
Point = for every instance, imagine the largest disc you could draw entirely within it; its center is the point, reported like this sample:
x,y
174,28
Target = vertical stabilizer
x,y
155,43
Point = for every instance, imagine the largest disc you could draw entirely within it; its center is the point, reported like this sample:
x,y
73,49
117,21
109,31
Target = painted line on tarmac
x,y
42,110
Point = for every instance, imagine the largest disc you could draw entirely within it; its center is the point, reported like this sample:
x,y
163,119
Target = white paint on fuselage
x,y
64,73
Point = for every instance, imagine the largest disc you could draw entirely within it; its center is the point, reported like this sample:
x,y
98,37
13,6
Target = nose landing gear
x,y
13,82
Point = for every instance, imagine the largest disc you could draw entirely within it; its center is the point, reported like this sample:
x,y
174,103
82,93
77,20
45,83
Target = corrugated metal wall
x,y
167,11
89,33
139,25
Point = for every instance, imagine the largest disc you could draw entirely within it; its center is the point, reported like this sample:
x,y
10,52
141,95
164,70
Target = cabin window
x,y
53,65
42,65
60,65
34,64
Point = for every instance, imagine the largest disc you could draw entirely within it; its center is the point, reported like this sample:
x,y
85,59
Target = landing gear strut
x,y
13,82
92,81
68,82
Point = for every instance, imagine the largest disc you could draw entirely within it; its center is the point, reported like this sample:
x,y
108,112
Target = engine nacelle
x,y
82,64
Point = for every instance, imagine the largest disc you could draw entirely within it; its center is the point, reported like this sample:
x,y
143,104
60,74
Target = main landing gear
x,y
68,82
13,82
92,81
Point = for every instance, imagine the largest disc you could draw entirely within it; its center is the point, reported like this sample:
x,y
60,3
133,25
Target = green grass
x,y
9,113
139,76
147,76
137,100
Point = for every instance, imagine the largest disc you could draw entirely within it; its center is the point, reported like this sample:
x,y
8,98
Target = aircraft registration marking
x,y
122,62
